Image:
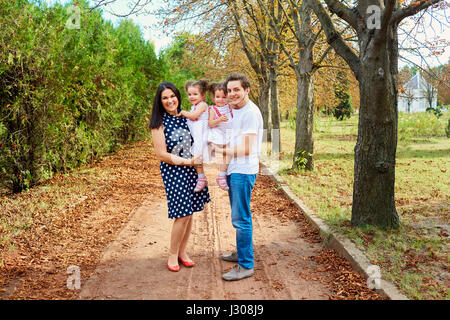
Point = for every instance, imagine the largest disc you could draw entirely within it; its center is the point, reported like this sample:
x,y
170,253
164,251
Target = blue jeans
x,y
241,186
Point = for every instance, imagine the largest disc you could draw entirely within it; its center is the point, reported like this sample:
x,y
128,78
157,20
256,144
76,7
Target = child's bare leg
x,y
199,168
222,178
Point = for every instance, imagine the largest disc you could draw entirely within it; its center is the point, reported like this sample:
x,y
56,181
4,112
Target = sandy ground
x,y
118,234
134,265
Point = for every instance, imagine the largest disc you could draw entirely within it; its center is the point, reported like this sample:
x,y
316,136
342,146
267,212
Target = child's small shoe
x,y
222,182
201,184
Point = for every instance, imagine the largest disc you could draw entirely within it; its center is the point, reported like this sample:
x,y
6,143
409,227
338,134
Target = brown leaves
x,y
346,283
331,268
72,226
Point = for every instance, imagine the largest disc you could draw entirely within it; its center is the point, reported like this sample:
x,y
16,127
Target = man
x,y
244,149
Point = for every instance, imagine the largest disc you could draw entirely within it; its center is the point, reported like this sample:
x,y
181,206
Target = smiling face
x,y
237,95
169,101
220,98
194,95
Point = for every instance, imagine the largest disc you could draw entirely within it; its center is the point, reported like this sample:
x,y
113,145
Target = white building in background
x,y
417,94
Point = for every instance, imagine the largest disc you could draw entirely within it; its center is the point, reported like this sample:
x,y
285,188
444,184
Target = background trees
x,y
376,68
68,95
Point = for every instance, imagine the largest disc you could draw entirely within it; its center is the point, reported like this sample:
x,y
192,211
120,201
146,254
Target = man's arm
x,y
242,150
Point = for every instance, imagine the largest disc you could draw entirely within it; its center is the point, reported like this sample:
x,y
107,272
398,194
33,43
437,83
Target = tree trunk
x,y
264,95
304,141
304,73
374,176
273,80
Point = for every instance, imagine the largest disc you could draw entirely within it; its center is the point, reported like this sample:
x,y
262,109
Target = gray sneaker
x,y
233,257
238,273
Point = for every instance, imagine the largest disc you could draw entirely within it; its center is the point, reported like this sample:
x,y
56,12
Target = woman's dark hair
x,y
158,110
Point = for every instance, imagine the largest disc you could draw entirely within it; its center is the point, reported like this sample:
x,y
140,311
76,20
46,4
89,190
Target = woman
x,y
172,143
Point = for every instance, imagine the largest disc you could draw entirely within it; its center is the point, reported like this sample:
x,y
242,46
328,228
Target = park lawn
x,y
416,256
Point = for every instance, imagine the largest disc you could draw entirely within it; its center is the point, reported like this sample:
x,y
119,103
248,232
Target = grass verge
x,y
416,256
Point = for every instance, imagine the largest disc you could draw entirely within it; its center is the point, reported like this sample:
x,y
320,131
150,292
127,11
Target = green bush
x,y
342,92
436,111
68,95
447,129
177,61
420,125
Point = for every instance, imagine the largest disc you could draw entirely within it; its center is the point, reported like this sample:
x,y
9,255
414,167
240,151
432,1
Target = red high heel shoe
x,y
174,269
186,264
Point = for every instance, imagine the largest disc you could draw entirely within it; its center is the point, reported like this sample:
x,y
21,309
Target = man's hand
x,y
220,150
197,159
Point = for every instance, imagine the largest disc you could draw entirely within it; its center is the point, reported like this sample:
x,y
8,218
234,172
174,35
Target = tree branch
x,y
387,14
249,55
343,12
331,66
335,39
411,10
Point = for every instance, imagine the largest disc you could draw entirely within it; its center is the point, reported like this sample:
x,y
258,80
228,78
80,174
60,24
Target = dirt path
x,y
134,265
118,232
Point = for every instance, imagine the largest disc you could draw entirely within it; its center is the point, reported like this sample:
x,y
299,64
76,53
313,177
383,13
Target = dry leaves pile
x,y
334,271
346,283
78,233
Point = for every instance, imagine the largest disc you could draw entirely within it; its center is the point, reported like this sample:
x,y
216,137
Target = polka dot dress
x,y
179,181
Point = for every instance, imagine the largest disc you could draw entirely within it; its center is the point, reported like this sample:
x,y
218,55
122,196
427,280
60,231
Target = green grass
x,y
414,256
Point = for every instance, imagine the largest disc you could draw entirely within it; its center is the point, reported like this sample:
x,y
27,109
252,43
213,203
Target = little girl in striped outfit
x,y
220,117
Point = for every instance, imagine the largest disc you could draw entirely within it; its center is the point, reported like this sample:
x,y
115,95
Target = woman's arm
x,y
201,107
159,144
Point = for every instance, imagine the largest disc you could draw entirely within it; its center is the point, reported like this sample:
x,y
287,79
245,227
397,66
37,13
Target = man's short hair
x,y
245,83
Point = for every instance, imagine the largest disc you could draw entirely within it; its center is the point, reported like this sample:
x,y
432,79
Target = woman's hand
x,y
196,160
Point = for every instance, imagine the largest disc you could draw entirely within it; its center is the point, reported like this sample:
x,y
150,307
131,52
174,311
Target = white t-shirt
x,y
247,120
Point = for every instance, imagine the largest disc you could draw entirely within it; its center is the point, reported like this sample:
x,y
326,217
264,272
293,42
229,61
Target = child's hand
x,y
180,113
197,159
223,118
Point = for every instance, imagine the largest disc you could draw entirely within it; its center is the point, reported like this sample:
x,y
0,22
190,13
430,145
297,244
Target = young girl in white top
x,y
220,116
197,121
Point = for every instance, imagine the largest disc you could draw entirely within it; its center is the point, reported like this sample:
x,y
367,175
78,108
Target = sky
x,y
433,29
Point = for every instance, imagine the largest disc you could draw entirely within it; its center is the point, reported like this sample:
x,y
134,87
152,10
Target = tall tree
x,y
376,69
227,20
305,61
266,51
